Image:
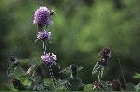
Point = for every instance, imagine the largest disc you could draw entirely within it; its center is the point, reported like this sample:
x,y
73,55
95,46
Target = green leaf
x,y
88,87
18,72
137,87
130,86
136,75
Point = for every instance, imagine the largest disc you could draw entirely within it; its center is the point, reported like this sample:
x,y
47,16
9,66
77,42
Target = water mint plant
x,y
104,56
102,62
115,84
38,72
42,18
45,74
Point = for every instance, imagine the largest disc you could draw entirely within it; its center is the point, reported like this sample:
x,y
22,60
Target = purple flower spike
x,y
42,35
42,16
49,58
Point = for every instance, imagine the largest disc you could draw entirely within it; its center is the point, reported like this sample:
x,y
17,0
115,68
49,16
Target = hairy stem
x,y
44,47
52,76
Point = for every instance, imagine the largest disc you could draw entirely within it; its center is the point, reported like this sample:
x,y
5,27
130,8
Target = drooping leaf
x,y
136,75
137,87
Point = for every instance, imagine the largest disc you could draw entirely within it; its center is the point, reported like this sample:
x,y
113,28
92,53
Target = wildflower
x,y
42,35
49,58
116,85
102,61
97,85
105,52
42,16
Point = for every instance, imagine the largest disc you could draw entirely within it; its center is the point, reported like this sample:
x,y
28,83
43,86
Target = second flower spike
x,y
42,35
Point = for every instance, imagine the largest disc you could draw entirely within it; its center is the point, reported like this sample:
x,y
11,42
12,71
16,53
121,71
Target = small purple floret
x,y
42,16
42,35
49,58
97,85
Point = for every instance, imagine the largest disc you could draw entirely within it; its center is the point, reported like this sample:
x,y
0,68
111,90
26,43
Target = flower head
x,y
97,85
116,85
49,58
102,61
42,16
42,35
105,52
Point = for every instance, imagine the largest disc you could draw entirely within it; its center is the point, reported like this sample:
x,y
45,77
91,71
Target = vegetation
x,y
81,28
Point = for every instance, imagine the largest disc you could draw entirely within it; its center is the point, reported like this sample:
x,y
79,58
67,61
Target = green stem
x,y
122,71
44,46
52,76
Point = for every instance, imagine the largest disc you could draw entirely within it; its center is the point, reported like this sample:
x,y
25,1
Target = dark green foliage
x,y
37,77
130,87
18,85
75,84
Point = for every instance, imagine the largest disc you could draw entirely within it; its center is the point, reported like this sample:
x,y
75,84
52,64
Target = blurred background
x,y
81,28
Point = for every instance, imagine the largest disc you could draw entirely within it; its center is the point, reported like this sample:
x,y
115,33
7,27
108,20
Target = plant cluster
x,y
115,84
46,75
43,75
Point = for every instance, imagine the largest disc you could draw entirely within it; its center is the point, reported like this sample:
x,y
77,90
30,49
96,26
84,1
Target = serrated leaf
x,y
130,86
10,72
79,68
66,71
18,72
